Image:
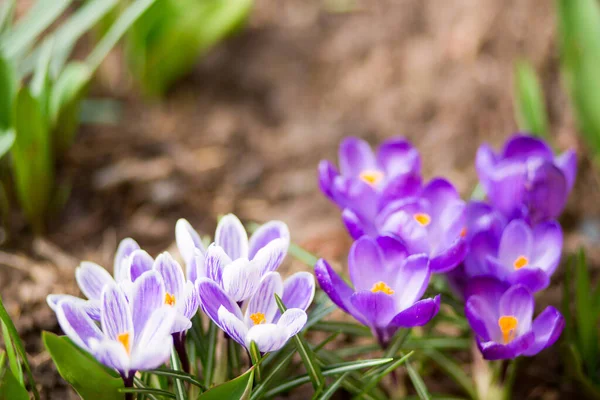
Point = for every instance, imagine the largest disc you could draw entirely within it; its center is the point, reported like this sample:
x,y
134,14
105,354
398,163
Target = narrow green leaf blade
x,y
180,392
453,370
88,377
530,108
417,381
10,388
333,387
11,353
8,84
209,365
238,388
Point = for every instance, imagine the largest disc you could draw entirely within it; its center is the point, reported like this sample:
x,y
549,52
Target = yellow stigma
x,y
170,299
382,287
508,325
123,338
521,262
258,318
463,232
371,176
422,218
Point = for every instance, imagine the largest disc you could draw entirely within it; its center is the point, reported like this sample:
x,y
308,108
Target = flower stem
x,y
511,376
128,382
179,344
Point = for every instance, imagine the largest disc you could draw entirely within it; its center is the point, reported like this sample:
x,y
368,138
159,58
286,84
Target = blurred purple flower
x,y
232,258
432,223
367,181
525,180
262,322
501,317
387,286
520,255
134,335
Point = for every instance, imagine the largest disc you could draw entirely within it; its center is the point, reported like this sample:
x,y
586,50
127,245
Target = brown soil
x,y
245,131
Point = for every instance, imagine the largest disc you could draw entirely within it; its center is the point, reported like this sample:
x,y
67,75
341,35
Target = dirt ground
x,y
245,131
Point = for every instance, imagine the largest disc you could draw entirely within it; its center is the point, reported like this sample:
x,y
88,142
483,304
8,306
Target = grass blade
x,y
148,391
180,375
11,353
377,377
530,108
305,256
346,328
454,371
180,392
417,382
333,387
209,366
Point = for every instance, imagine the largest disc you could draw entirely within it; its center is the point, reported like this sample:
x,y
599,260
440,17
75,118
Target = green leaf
x,y
65,102
146,391
88,377
238,388
183,376
378,376
308,356
586,316
347,328
7,11
14,336
530,109
258,391
116,31
11,352
10,388
209,363
180,393
256,358
40,84
305,256
330,370
333,387
8,83
417,381
25,32
454,371
32,159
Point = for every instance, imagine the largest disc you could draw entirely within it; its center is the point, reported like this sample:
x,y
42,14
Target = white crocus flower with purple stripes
x,y
237,264
92,278
262,321
134,334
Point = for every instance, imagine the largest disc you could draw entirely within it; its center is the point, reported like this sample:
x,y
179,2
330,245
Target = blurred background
x,y
243,128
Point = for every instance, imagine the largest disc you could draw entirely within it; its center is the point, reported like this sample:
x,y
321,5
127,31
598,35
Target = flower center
x,y
508,325
371,176
521,262
463,232
422,218
258,318
123,338
382,287
170,299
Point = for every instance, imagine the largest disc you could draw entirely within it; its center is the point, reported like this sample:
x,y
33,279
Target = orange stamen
x,y
422,218
371,176
170,299
463,232
258,318
123,338
382,287
508,325
521,262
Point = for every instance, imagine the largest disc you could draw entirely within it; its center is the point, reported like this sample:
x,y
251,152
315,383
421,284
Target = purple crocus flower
x,y
91,278
526,180
261,322
432,223
387,286
134,334
501,317
520,255
234,262
367,181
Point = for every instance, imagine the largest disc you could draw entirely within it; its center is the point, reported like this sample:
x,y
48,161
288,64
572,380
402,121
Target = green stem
x,y
511,376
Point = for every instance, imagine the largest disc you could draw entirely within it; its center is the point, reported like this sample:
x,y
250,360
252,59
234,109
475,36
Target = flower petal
x,y
216,260
377,308
292,320
402,224
139,262
270,257
155,342
418,314
567,163
482,245
91,307
212,297
188,240
482,316
547,246
112,354
191,302
232,237
397,156
154,357
241,279
400,187
263,301
268,337
265,234
516,241
507,188
439,193
171,273
485,162
327,174
535,279
522,147
496,351
366,265
299,290
115,317
354,224
548,194
126,247
77,324
233,326
411,280
196,267
148,295
518,302
450,257
91,279
547,328
336,288
355,156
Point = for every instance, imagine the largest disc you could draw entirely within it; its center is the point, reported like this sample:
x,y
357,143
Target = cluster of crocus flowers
x,y
510,242
236,282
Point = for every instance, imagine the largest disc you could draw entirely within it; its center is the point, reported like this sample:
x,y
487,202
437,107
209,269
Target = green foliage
x,y
530,110
238,388
11,388
168,40
579,39
87,376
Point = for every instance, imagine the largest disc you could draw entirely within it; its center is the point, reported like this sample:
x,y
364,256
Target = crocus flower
x,y
134,335
521,255
432,223
387,286
234,262
261,322
525,180
91,278
367,181
501,317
